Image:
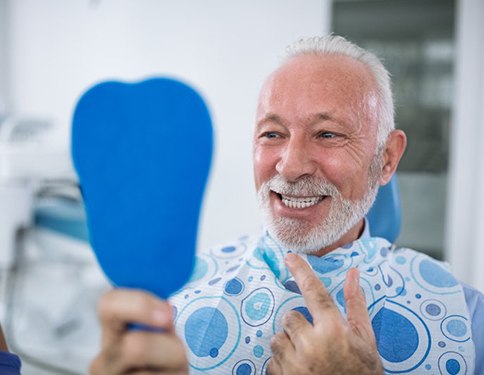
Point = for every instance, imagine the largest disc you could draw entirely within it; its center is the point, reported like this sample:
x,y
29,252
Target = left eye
x,y
327,135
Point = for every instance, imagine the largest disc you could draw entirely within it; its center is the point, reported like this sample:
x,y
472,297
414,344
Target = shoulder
x,y
9,363
474,300
475,305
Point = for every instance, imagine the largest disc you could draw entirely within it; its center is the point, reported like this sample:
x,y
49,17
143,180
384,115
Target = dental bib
x,y
239,293
142,152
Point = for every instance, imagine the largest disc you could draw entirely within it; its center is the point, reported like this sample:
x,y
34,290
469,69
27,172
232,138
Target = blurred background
x,y
51,51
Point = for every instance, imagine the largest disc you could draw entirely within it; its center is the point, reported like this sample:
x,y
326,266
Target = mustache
x,y
304,186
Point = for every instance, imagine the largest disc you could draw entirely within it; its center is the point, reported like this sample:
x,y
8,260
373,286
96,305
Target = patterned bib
x,y
238,295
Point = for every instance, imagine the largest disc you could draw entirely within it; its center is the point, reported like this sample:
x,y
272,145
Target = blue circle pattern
x,y
402,330
454,327
452,366
234,287
201,269
432,276
257,307
258,351
205,268
244,367
387,325
206,319
436,275
452,363
433,309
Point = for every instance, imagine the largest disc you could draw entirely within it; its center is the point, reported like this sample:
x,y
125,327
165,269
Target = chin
x,y
295,235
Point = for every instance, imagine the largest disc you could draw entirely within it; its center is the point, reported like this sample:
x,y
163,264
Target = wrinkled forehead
x,y
332,80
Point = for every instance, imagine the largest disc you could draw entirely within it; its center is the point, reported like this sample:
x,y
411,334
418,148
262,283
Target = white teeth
x,y
293,202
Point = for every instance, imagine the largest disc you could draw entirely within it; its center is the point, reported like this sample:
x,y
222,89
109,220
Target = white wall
x,y
3,55
225,48
465,224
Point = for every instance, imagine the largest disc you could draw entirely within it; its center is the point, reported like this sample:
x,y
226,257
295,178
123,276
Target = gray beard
x,y
343,214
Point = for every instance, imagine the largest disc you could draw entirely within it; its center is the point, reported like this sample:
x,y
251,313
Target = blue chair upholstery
x,y
63,216
385,215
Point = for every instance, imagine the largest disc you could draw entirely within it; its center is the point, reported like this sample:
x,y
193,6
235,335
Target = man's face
x,y
314,151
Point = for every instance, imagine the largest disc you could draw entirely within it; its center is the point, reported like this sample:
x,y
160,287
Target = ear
x,y
394,149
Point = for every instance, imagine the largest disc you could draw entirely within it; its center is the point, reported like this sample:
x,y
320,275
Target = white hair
x,y
337,45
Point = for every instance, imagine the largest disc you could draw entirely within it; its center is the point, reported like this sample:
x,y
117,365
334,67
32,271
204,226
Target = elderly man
x,y
315,293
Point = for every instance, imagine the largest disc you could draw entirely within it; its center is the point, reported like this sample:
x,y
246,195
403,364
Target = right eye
x,y
270,135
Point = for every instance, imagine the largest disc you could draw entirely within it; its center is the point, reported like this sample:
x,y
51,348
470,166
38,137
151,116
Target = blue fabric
x,y
9,364
475,305
238,294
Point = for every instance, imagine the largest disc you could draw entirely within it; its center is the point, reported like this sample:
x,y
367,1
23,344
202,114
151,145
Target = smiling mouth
x,y
299,202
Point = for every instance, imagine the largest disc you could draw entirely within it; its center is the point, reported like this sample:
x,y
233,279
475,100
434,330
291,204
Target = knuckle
x,y
276,342
106,361
142,301
311,348
105,303
272,367
338,330
310,283
133,349
291,316
324,301
292,321
143,304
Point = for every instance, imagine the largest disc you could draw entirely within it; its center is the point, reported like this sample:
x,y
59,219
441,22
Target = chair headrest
x,y
385,215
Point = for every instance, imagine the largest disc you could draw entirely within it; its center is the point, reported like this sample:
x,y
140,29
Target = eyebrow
x,y
321,116
272,117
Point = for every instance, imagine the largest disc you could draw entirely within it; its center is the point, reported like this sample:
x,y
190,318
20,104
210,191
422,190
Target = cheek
x,y
355,185
349,177
264,165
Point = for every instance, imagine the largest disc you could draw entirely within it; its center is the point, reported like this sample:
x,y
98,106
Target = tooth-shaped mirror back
x,y
142,152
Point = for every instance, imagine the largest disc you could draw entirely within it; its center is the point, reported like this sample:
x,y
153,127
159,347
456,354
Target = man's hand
x,y
130,351
332,345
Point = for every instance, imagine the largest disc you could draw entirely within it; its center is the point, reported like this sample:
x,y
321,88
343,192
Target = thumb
x,y
356,310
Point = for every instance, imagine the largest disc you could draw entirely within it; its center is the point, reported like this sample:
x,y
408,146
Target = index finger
x,y
317,299
120,307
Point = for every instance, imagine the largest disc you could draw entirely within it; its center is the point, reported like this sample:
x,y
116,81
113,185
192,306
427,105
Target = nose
x,y
295,161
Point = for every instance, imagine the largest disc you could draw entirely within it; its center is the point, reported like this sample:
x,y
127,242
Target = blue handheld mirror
x,y
142,152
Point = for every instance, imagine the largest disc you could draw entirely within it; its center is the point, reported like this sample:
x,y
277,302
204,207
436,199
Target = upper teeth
x,y
293,202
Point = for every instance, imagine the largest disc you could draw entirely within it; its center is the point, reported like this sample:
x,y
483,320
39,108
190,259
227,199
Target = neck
x,y
352,235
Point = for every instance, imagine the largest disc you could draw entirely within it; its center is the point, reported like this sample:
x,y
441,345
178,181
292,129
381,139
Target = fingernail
x,y
355,279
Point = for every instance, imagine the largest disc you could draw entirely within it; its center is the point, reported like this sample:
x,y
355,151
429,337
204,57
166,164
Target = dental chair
x,y
385,216
53,291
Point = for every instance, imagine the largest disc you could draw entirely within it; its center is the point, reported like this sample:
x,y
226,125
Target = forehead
x,y
309,84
